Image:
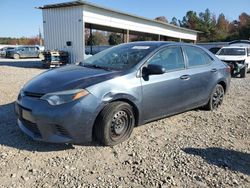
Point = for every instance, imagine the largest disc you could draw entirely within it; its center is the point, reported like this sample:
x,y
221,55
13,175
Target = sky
x,y
20,18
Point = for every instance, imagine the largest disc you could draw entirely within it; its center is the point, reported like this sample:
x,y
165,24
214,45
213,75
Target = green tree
x,y
190,21
244,26
98,38
174,21
115,39
207,24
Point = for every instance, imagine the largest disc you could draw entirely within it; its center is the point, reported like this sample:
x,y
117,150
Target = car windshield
x,y
121,57
232,51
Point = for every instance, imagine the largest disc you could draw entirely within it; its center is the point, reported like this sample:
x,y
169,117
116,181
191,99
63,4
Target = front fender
x,y
133,101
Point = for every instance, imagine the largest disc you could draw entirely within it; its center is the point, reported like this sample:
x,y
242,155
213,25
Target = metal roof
x,y
81,2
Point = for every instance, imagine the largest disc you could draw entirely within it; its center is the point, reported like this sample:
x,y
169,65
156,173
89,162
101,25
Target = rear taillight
x,y
228,69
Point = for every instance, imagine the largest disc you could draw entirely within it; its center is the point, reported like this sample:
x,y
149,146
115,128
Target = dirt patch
x,y
193,149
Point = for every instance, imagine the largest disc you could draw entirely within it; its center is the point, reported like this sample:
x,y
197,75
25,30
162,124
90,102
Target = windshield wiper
x,y
97,67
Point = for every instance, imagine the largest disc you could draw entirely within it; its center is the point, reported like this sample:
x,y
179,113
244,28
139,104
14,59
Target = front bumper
x,y
68,123
236,66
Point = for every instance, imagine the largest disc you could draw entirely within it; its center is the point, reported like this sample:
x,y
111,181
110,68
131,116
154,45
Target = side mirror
x,y
153,69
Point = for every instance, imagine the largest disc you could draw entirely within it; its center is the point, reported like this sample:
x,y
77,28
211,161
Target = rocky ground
x,y
194,149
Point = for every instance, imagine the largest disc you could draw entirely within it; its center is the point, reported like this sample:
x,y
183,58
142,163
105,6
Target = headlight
x,y
62,97
20,95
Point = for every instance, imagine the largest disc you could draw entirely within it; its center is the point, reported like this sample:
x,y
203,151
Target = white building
x,y
64,25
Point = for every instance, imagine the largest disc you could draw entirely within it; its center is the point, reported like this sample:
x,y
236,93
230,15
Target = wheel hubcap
x,y
218,97
121,124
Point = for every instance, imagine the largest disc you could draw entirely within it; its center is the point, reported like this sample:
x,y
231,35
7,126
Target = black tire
x,y
216,98
243,72
114,124
16,56
248,69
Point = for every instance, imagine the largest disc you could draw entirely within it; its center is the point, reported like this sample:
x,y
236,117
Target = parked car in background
x,y
214,50
25,52
55,58
237,57
119,88
41,48
4,50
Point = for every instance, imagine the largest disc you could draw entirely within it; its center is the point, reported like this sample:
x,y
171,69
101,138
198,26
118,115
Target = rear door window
x,y
25,49
170,58
32,49
196,56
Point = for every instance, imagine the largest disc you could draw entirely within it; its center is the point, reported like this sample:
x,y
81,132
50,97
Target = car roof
x,y
160,43
27,46
234,46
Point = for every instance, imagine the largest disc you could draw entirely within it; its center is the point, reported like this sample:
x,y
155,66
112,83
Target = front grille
x,y
31,127
35,95
227,61
61,131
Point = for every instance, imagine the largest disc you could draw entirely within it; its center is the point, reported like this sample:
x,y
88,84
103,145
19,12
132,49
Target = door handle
x,y
185,77
213,70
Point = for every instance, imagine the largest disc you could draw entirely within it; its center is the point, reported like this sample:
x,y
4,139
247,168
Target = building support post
x,y
123,36
180,40
159,37
127,36
91,39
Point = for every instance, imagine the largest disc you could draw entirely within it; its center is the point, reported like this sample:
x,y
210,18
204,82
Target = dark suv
x,y
24,52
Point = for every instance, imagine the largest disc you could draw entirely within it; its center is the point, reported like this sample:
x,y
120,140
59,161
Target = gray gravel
x,y
194,149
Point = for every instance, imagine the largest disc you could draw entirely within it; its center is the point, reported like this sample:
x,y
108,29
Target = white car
x,y
237,57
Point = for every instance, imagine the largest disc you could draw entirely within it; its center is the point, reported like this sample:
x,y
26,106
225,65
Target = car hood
x,y
67,78
231,58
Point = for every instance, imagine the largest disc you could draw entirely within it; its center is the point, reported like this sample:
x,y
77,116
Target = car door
x,y
32,52
202,73
24,52
165,94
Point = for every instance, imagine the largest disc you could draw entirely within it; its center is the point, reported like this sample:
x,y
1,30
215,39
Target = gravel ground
x,y
193,149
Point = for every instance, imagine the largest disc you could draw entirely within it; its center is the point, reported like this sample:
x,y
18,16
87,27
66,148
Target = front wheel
x,y
41,56
243,72
216,98
114,124
16,56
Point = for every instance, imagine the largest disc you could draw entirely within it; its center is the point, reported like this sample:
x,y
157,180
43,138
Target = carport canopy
x,y
74,16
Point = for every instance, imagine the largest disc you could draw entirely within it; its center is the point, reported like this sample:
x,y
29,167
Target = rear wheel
x,y
216,98
114,124
16,56
243,72
41,56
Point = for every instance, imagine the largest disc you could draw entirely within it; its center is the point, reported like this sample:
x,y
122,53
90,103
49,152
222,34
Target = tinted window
x,y
214,50
197,57
248,51
170,58
32,49
24,49
232,51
